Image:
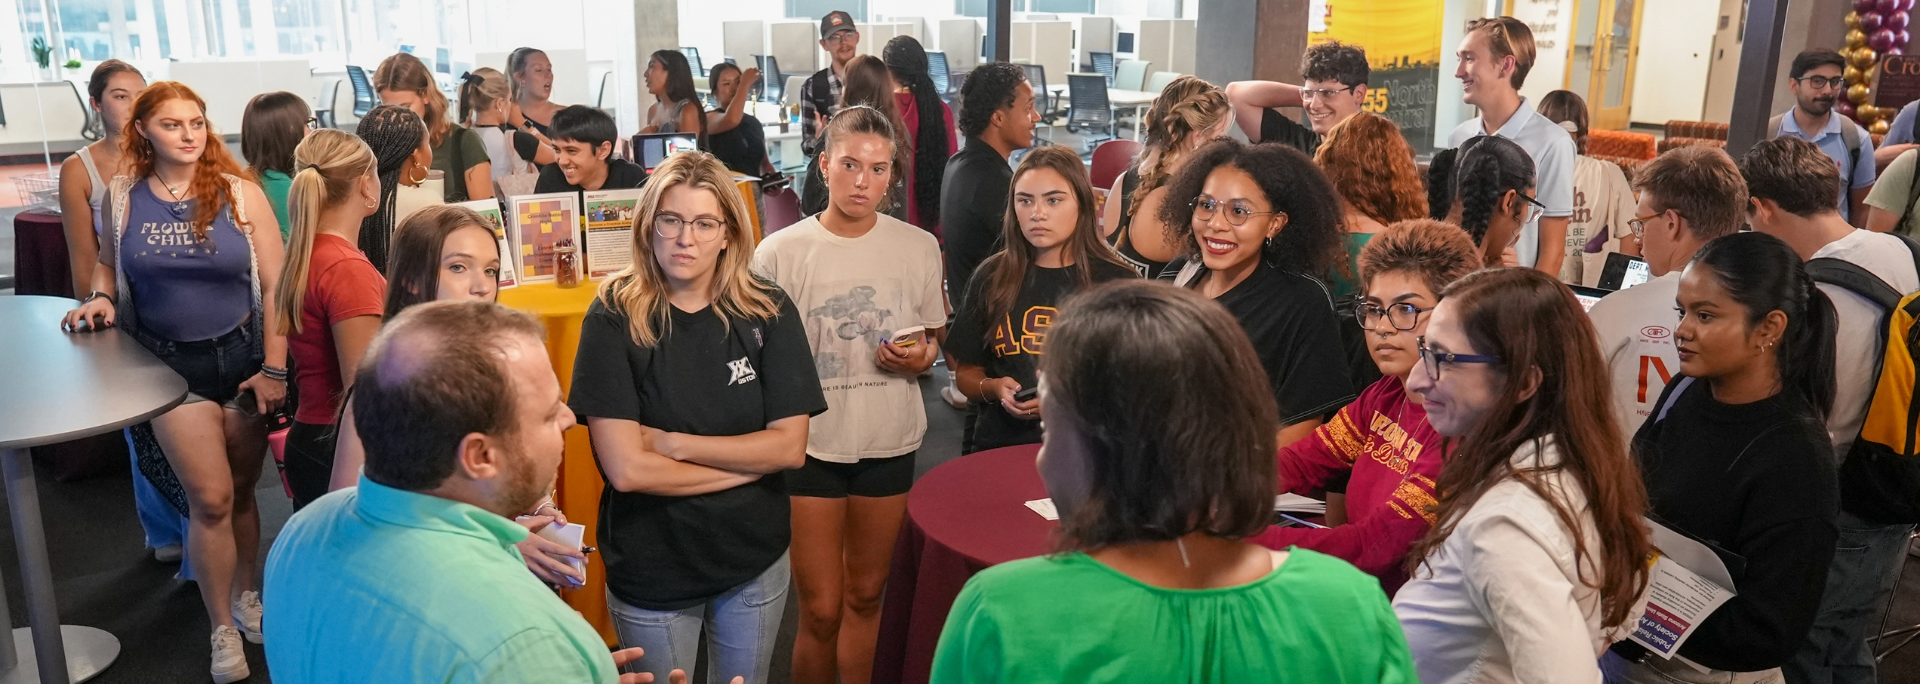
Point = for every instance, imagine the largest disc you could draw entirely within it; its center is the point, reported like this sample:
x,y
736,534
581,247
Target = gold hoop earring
x,y
423,175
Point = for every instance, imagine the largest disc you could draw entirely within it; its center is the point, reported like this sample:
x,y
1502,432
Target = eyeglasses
x,y
843,36
1204,209
1402,316
670,226
313,123
1820,83
1639,225
1309,95
1535,210
1432,360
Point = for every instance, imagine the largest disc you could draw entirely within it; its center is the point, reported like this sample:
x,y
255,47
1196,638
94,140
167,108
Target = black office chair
x,y
1043,99
1103,65
693,60
937,68
1089,109
363,98
323,114
772,82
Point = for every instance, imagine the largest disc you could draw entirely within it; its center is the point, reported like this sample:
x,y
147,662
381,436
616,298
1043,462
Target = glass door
x,y
1614,64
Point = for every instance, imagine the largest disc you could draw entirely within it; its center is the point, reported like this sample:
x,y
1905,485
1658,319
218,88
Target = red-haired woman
x,y
190,255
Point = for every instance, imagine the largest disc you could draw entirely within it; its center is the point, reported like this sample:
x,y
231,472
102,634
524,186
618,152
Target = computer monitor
x,y
1623,271
1123,42
650,149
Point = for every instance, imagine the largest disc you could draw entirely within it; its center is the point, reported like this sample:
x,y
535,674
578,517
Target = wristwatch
x,y
96,294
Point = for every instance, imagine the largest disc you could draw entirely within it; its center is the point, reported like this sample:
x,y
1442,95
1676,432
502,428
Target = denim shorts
x,y
212,368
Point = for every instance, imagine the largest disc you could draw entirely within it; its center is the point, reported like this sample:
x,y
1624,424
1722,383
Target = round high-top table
x,y
58,387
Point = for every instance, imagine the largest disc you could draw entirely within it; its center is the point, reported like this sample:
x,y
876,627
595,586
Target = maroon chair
x,y
782,209
1110,160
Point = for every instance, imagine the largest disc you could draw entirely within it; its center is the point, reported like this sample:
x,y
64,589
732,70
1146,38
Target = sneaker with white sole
x,y
246,616
953,397
229,656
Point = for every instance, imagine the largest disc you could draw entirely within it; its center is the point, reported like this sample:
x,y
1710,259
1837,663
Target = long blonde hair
x,y
326,165
1189,104
479,90
640,290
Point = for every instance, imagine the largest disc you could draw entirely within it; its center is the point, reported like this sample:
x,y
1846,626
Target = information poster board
x,y
539,223
1897,81
609,238
1402,40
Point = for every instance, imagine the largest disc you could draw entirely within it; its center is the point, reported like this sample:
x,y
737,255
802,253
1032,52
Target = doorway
x,y
1606,38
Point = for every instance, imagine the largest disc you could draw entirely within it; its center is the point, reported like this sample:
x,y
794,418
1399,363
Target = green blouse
x,y
1070,618
462,148
1342,284
276,184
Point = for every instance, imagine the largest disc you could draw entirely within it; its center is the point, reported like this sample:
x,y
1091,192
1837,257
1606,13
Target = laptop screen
x,y
1588,296
650,149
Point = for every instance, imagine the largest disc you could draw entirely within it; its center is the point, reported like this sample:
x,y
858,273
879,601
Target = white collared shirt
x,y
1553,154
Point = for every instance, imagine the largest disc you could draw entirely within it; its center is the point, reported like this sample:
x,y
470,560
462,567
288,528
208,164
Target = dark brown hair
x,y
405,72
1562,106
1534,325
1436,251
209,187
97,83
1794,174
413,274
1006,271
862,119
1190,452
272,126
870,83
434,375
1702,184
1371,166
1310,242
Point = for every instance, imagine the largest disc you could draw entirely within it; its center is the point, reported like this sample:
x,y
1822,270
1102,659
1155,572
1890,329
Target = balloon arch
x,y
1875,29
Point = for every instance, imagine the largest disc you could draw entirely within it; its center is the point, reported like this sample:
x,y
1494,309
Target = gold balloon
x,y
1867,111
1879,127
1858,93
1855,75
1856,38
1853,20
1863,58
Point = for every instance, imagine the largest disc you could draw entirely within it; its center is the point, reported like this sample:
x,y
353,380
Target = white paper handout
x,y
1295,503
1045,508
1688,582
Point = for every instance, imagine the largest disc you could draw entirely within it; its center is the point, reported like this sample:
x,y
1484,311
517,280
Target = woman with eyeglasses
x,y
1053,248
1493,196
1737,455
1538,553
1261,227
1382,440
696,384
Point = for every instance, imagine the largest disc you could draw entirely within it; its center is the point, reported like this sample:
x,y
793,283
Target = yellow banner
x,y
1395,33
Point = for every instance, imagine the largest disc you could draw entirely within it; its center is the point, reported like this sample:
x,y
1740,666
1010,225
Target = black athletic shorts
x,y
873,477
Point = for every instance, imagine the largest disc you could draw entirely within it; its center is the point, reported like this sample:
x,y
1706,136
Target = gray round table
x,y
61,386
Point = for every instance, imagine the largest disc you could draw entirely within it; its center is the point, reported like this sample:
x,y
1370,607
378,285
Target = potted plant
x,y
43,56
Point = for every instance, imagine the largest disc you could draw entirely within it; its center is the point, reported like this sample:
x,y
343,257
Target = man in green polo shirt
x,y
413,575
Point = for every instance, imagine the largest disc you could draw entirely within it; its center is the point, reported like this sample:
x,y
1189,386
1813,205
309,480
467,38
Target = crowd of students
x,y
1298,312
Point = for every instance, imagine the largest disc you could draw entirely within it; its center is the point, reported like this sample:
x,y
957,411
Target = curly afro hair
x,y
989,88
1310,241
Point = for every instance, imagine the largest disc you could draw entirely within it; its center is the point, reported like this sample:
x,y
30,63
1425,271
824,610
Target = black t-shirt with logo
x,y
1011,345
702,377
1289,318
1277,128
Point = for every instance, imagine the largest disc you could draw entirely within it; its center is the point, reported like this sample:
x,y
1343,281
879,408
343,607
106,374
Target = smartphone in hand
x,y
907,338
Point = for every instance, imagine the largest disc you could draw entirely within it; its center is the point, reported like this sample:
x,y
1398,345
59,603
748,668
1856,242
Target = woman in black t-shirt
x,y
733,135
696,384
1053,248
1261,226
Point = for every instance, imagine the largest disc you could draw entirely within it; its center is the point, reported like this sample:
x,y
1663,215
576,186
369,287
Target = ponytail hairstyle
x,y
1765,275
273,125
1488,167
209,187
1440,184
328,164
517,63
480,90
405,72
908,62
859,119
680,86
1534,326
1188,105
393,133
1003,273
1567,109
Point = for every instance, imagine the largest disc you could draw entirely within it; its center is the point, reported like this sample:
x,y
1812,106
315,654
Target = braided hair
x,y
1187,105
393,133
908,63
1486,168
1440,184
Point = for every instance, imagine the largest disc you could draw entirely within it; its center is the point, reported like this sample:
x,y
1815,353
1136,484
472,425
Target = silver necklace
x,y
179,205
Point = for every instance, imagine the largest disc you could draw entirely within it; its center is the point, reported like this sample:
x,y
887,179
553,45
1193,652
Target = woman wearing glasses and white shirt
x,y
1539,552
1261,226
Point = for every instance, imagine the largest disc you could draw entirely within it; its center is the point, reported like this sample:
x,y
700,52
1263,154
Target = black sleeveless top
x,y
1119,239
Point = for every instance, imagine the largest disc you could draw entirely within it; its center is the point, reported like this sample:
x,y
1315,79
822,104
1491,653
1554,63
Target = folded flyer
x,y
1687,583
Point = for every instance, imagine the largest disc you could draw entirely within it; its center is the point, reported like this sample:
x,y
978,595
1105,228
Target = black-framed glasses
x,y
1821,83
1534,210
1402,316
1204,209
313,123
1639,225
670,226
1309,95
1433,360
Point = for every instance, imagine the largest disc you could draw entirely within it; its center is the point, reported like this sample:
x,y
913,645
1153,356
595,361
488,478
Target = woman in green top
x,y
459,154
1157,483
272,126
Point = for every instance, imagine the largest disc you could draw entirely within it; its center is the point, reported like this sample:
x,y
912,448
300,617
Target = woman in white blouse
x,y
1539,555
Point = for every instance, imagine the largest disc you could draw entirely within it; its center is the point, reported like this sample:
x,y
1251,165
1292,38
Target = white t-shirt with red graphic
x,y
1636,337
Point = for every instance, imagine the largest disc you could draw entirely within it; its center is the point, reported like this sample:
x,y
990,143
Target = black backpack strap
x,y
1855,279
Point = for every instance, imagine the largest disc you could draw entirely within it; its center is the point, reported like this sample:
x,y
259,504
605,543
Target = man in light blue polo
x,y
1816,78
1495,56
413,575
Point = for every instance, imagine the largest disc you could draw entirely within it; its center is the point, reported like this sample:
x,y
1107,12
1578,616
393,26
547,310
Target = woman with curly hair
x,y
1187,114
1371,167
1259,226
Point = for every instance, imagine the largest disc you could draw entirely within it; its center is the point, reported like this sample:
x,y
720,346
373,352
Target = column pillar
x,y
1238,40
1759,72
656,26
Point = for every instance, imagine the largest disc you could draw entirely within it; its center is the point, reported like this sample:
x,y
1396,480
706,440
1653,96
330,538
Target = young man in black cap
x,y
820,94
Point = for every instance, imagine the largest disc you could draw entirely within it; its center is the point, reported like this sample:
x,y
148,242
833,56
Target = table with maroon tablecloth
x,y
962,517
40,255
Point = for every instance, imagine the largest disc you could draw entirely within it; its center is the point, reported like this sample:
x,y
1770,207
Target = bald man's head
x,y
437,373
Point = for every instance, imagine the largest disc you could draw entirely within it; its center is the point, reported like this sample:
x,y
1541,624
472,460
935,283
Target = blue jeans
x,y
741,626
163,525
1866,565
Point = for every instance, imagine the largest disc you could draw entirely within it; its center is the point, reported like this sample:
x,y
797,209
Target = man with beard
x,y
1816,79
412,576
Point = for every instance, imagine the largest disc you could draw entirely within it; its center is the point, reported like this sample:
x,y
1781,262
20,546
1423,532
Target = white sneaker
x,y
246,616
229,657
953,397
170,553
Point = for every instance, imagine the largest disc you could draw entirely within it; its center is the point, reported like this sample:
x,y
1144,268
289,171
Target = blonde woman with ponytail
x,y
1187,114
331,297
485,104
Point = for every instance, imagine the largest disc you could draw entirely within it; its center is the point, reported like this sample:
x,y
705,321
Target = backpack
x,y
1880,474
1849,134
